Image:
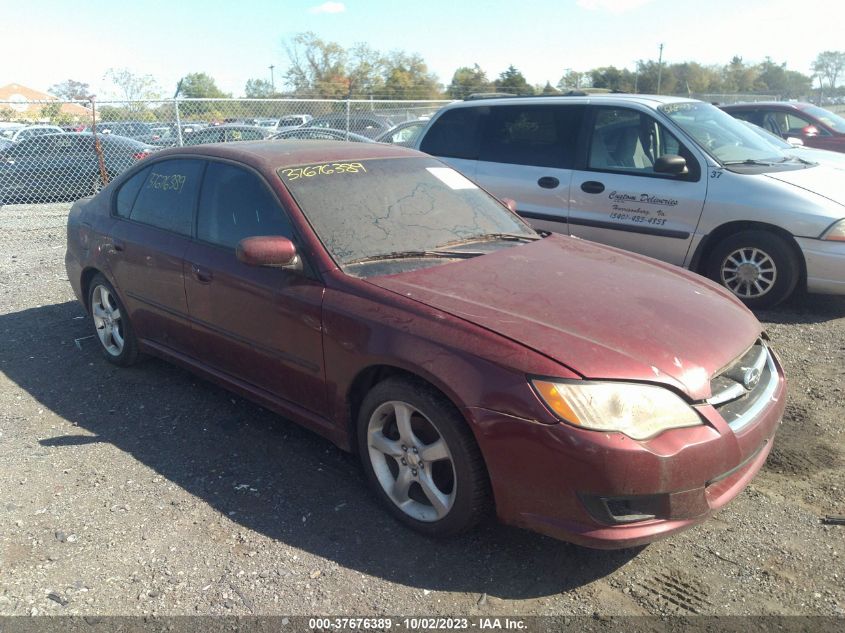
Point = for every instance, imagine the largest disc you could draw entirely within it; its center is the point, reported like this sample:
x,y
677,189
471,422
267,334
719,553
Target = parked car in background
x,y
63,166
225,134
799,150
815,126
31,131
128,129
404,134
668,177
369,125
381,299
8,129
294,120
320,134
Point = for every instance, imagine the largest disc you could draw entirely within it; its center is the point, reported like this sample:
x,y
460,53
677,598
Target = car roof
x,y
276,154
651,101
791,105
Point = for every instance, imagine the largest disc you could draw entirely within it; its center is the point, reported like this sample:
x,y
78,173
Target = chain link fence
x,y
54,151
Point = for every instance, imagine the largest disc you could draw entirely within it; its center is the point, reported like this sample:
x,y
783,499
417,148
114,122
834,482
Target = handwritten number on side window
x,y
174,182
309,171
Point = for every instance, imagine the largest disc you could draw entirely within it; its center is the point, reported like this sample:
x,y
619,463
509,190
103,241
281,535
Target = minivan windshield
x,y
721,135
384,207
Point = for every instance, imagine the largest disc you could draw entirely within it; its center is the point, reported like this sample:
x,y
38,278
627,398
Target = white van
x,y
672,178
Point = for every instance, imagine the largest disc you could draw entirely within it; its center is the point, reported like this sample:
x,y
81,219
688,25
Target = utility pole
x,y
659,68
273,81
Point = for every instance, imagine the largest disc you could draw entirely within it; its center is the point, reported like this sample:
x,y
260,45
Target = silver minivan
x,y
671,178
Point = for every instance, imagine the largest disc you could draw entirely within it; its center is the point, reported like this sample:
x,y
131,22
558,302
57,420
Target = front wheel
x,y
760,268
421,458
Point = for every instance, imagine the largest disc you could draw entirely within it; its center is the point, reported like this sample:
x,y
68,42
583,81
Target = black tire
x,y
472,499
126,353
778,268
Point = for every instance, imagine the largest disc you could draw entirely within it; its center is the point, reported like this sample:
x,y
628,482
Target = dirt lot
x,y
146,491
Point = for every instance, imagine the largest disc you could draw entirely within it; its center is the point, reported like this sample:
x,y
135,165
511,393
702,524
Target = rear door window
x,y
235,203
168,196
128,192
538,135
456,133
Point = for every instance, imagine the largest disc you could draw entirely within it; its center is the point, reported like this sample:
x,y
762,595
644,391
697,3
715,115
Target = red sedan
x,y
812,125
378,297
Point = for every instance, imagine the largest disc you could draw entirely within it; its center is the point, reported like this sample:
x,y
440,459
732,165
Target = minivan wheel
x,y
111,323
758,267
421,459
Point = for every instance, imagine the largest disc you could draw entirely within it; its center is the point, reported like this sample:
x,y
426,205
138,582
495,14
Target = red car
x,y
815,126
378,297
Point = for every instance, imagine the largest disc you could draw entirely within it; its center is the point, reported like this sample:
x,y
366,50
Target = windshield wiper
x,y
490,237
415,254
749,161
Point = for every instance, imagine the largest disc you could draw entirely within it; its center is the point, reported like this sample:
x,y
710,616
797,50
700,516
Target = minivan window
x,y
538,135
627,140
455,134
168,196
235,204
722,136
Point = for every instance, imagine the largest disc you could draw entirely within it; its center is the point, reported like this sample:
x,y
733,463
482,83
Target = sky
x,y
43,42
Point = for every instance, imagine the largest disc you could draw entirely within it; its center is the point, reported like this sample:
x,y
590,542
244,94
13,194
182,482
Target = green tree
x,y
70,90
316,68
258,89
829,65
549,89
692,78
737,76
467,81
573,80
201,86
512,81
132,87
408,77
365,71
612,78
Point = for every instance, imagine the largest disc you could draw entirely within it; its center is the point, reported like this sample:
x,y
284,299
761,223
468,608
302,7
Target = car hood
x,y
600,311
823,180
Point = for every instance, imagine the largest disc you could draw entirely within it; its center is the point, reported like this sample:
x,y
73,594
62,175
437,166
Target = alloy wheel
x,y
107,320
412,461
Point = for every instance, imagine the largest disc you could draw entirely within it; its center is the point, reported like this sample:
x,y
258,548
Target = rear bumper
x,y
547,477
825,262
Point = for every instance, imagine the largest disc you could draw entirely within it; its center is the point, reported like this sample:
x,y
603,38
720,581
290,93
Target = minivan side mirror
x,y
274,251
671,164
510,203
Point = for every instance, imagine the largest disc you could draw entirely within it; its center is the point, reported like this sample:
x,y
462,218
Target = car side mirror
x,y
273,251
510,203
671,164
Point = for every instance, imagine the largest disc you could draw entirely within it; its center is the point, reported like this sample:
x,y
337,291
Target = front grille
x,y
741,390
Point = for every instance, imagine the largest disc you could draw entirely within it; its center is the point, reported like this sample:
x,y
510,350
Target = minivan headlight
x,y
637,410
836,232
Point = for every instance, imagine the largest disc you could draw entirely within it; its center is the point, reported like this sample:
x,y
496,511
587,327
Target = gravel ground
x,y
149,491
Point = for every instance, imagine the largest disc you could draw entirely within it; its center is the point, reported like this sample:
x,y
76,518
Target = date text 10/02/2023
x,y
417,624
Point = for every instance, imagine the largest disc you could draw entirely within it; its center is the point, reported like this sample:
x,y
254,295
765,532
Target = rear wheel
x,y
421,458
758,267
111,323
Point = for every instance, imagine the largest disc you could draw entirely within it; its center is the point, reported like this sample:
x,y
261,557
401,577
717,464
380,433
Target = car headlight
x,y
836,232
639,411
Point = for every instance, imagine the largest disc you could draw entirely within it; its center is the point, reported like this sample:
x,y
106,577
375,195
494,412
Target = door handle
x,y
119,245
548,182
201,274
592,186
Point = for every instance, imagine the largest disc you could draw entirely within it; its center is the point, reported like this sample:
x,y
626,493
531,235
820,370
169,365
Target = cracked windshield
x,y
372,208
